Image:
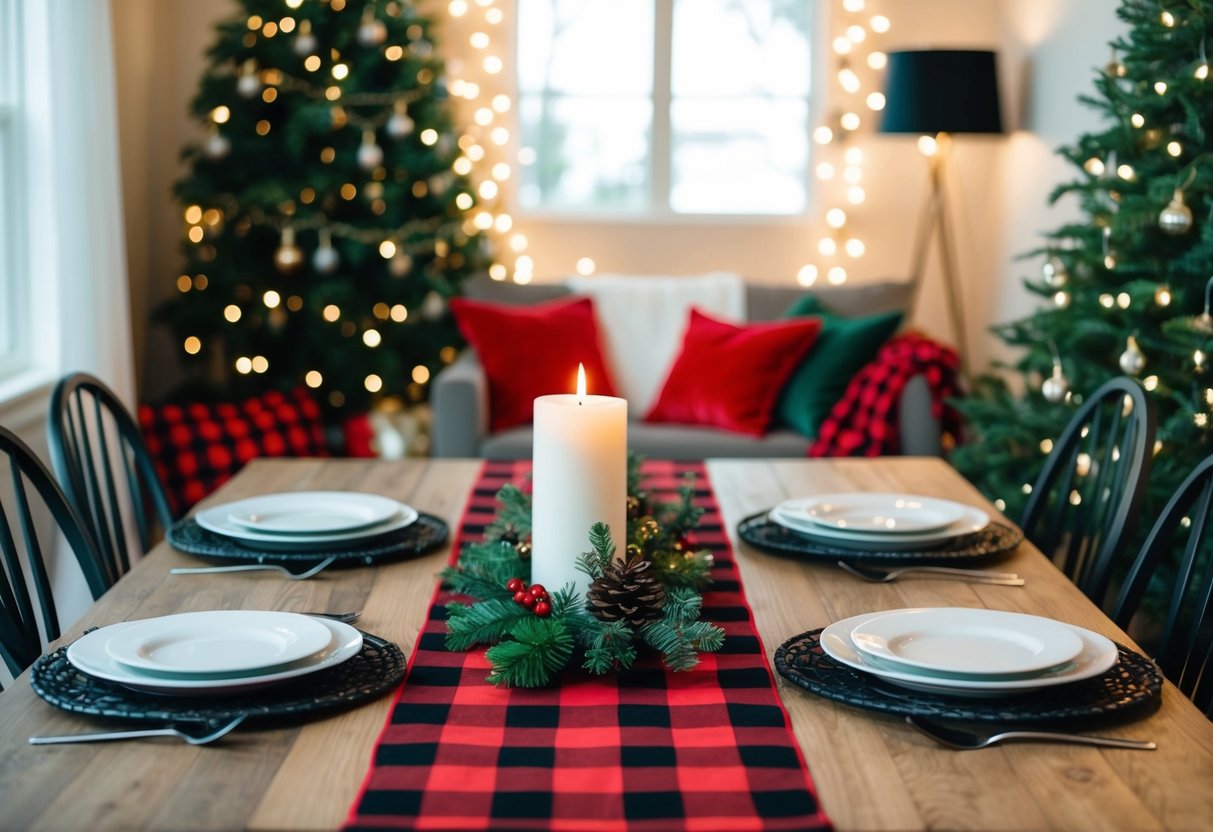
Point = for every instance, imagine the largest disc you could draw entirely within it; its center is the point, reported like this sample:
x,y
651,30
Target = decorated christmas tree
x,y
1123,289
327,214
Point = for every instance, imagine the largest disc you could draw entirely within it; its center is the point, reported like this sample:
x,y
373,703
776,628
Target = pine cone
x,y
627,591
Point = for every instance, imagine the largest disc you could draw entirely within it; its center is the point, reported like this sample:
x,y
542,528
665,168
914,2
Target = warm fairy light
x,y
1201,420
195,234
849,121
1046,446
855,247
1160,87
462,166
421,374
879,24
836,218
327,155
878,60
294,4
232,313
372,338
483,220
488,189
387,249
429,137
399,313
825,171
221,114
526,156
193,214
1075,498
876,101
1175,148
260,364
856,34
1061,300
1167,18
827,246
1000,504
1094,166
500,136
1107,301
1150,383
842,46
192,345
244,365
332,93
823,135
474,152
200,282
483,117
493,65
853,156
1125,172
501,103
340,71
311,63
394,52
1137,120
372,383
331,313
522,278
313,379
498,272
380,311
287,25
269,95
837,276
271,299
494,16
580,383
927,145
848,80
458,8
479,40
1201,72
1162,296
1123,300
503,223
348,191
586,266
464,201
263,127
856,195
853,6
807,275
501,171
1198,358
853,174
184,283
254,22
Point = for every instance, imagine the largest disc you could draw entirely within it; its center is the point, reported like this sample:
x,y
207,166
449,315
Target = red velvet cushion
x,y
730,376
530,351
198,446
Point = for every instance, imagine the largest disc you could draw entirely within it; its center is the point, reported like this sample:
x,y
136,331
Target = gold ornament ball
x,y
288,257
1056,386
1132,360
1176,218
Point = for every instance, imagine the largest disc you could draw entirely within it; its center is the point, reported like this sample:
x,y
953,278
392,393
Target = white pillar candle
x,y
580,478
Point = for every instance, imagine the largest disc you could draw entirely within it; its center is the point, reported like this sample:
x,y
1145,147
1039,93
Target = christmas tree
x,y
327,212
1123,289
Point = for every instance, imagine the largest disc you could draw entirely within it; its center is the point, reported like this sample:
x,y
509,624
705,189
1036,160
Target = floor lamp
x,y
938,93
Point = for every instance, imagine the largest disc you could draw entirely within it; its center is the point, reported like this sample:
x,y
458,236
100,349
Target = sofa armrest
x,y
920,430
459,397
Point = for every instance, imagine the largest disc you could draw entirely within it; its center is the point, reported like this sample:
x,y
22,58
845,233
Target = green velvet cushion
x,y
843,347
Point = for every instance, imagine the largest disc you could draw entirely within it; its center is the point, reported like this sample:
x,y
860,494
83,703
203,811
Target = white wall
x,y
997,190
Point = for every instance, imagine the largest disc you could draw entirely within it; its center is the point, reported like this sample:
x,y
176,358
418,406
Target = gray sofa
x,y
459,393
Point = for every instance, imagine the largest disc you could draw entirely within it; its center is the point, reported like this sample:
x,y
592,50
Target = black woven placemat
x,y
1131,687
423,535
376,669
991,542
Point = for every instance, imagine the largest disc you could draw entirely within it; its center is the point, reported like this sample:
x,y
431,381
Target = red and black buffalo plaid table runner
x,y
645,749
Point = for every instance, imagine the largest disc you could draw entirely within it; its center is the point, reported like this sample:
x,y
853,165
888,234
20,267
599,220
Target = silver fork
x,y
343,617
883,576
250,567
966,741
192,739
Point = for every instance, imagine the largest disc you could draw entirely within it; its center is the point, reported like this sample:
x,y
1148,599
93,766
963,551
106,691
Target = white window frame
x,y
15,355
660,162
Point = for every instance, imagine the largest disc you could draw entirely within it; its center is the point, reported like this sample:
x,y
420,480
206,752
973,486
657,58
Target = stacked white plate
x,y
879,522
968,652
306,520
214,652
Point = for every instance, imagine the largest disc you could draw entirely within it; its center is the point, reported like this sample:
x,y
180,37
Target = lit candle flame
x,y
580,383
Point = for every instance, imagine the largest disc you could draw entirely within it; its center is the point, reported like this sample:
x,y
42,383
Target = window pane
x,y
741,48
588,152
738,157
585,47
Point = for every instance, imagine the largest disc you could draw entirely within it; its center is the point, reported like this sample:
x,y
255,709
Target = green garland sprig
x,y
531,645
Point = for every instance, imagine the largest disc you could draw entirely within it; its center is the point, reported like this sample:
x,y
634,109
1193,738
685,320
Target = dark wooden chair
x,y
27,608
106,471
1184,648
1084,503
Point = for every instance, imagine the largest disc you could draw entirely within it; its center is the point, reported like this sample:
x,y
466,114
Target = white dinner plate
x,y
1098,654
217,641
880,513
977,642
973,520
88,654
218,520
312,512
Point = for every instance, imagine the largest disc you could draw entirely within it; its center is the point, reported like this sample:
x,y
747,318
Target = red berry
x,y
527,601
520,597
544,598
537,590
543,609
516,585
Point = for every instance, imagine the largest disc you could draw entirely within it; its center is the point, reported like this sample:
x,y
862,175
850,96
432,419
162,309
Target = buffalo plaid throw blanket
x,y
865,421
705,749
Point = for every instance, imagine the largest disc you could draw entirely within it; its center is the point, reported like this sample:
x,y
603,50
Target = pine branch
x,y
484,568
482,623
680,645
608,647
535,651
682,605
513,520
594,562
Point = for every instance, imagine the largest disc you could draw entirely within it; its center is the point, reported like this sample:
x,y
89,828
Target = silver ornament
x,y
370,155
371,32
288,256
325,259
1055,273
399,125
1056,386
248,85
1176,218
400,264
305,44
433,306
217,146
1132,360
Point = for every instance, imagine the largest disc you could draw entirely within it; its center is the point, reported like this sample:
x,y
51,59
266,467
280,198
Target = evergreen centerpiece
x,y
650,595
326,219
1124,288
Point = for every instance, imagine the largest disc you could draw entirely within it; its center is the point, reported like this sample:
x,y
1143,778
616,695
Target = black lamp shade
x,y
941,91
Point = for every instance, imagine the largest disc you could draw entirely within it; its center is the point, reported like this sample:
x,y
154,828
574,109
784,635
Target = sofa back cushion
x,y
766,302
530,351
729,375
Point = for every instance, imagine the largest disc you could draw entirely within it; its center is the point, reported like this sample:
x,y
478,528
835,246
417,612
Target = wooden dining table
x,y
871,770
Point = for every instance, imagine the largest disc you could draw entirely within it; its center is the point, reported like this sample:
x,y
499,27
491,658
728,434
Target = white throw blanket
x,y
642,320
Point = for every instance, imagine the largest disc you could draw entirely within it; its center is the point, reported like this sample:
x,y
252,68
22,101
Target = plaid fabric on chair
x,y
647,749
